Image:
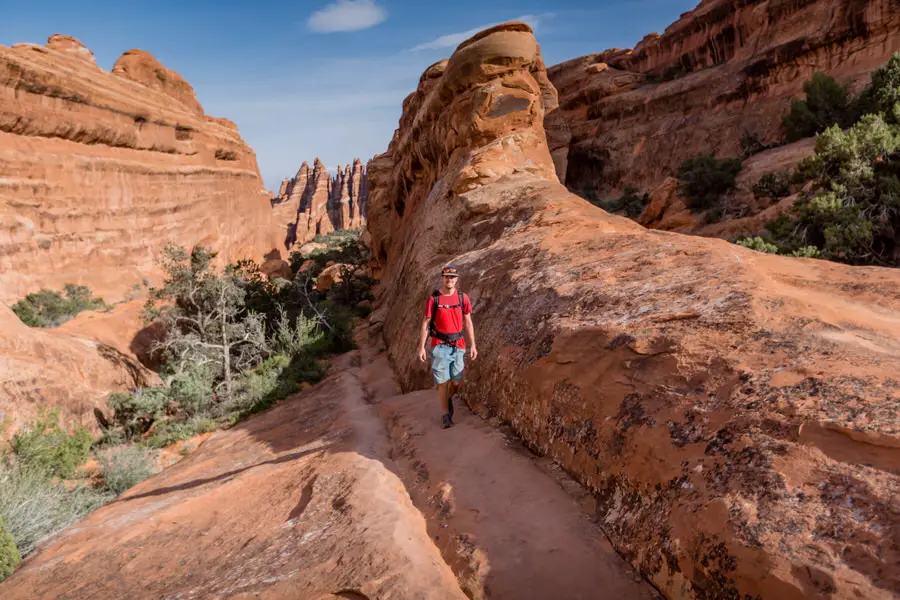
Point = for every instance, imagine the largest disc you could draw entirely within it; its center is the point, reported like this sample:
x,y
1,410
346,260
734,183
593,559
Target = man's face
x,y
449,281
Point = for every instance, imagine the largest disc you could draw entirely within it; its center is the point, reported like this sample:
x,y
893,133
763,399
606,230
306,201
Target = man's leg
x,y
440,370
457,364
444,395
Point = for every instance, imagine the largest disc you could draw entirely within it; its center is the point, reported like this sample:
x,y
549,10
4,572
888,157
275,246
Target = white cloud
x,y
347,15
452,40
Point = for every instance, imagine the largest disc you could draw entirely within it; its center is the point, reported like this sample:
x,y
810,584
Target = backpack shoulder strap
x,y
434,308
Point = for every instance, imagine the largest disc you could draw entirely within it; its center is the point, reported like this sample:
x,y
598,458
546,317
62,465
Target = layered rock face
x,y
733,412
99,171
732,70
313,203
65,369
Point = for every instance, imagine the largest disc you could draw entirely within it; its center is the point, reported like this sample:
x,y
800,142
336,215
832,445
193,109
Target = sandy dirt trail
x,y
507,523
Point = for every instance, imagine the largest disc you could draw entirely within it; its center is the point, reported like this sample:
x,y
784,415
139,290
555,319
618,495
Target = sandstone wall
x,y
100,170
736,66
733,412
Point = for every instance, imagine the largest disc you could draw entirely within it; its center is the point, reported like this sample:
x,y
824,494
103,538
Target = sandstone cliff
x,y
313,203
724,72
100,170
734,413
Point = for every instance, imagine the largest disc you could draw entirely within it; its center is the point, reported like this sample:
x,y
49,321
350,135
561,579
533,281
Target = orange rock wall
x,y
737,65
99,171
733,412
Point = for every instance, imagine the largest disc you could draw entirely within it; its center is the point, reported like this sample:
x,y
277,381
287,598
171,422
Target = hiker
x,y
448,315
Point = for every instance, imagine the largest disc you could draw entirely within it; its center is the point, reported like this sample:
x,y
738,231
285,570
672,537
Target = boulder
x,y
331,275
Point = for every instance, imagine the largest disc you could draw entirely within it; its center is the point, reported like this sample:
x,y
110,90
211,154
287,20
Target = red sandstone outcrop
x,y
313,203
73,369
141,66
734,412
300,502
732,70
99,171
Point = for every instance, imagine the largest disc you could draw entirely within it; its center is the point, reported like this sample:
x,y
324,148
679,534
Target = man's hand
x,y
473,352
423,356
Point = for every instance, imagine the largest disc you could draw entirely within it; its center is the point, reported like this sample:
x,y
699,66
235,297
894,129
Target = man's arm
x,y
470,336
423,337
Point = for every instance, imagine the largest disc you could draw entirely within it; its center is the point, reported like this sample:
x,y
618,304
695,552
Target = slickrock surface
x,y
725,69
734,413
99,171
312,500
73,369
314,203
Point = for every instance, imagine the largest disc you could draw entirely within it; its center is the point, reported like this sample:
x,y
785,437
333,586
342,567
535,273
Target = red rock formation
x,y
313,203
299,502
73,369
734,68
734,412
141,67
99,171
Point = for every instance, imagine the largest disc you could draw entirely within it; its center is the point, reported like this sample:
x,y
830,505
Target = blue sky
x,y
323,77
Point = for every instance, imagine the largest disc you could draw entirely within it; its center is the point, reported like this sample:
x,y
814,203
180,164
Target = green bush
x,y
773,185
631,203
758,244
134,414
167,432
35,507
9,553
123,467
47,448
827,103
883,94
48,308
705,180
853,212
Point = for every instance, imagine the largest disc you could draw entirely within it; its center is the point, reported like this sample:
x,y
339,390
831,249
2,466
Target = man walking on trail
x,y
448,315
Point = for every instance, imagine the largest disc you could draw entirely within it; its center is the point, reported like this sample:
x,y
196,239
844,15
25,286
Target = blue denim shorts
x,y
447,362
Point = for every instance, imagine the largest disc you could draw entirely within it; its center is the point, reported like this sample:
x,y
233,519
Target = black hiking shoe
x,y
448,422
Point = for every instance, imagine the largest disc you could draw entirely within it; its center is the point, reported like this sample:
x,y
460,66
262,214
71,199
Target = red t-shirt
x,y
449,320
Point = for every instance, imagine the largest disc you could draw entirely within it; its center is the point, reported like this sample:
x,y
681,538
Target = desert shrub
x,y
827,103
773,185
882,96
631,203
705,180
295,337
9,553
167,432
852,213
35,507
47,448
758,244
49,308
135,413
123,467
